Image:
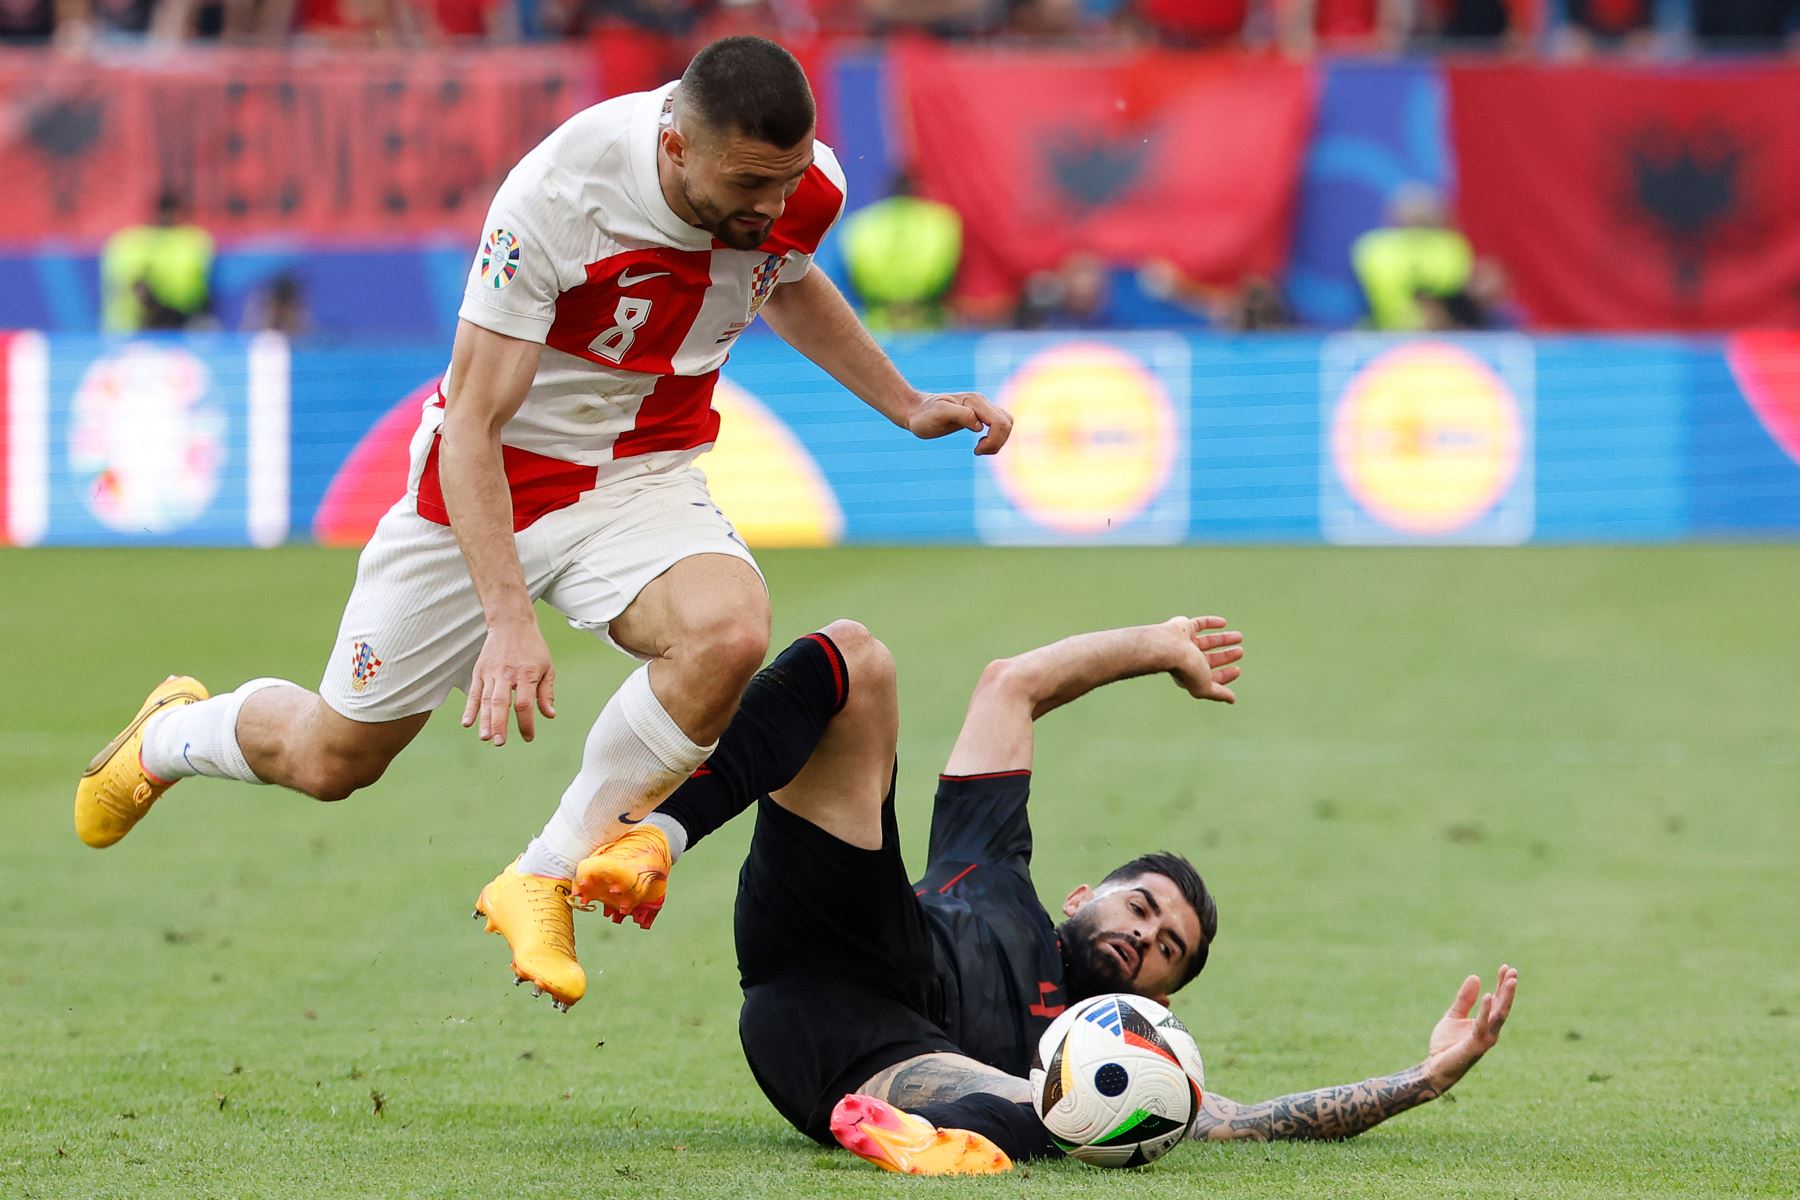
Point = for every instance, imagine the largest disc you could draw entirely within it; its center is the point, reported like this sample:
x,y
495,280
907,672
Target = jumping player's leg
x,y
267,731
663,576
704,626
788,709
276,732
409,635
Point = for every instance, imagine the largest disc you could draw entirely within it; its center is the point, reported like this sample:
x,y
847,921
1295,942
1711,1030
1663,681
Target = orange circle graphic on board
x,y
763,479
1094,439
1427,438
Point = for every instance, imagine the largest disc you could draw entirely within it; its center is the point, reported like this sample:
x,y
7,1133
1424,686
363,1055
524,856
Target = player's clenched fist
x,y
939,415
513,672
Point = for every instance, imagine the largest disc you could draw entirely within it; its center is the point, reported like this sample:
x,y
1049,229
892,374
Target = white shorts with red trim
x,y
413,626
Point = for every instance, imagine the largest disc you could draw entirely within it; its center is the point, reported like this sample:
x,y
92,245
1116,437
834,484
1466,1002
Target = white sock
x,y
672,829
201,739
635,756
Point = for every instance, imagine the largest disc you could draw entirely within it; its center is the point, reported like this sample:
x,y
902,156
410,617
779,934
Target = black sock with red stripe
x,y
1010,1125
784,714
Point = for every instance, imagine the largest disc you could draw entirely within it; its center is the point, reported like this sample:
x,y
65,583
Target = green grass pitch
x,y
1583,761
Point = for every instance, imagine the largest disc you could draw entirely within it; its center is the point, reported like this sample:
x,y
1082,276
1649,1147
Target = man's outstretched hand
x,y
1205,657
938,415
1469,1030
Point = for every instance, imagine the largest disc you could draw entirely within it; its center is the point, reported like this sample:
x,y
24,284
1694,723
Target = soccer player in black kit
x,y
900,1016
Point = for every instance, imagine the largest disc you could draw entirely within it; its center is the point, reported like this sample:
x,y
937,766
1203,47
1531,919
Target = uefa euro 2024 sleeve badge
x,y
499,258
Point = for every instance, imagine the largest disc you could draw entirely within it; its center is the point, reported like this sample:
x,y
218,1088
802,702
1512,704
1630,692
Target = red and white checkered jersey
x,y
637,310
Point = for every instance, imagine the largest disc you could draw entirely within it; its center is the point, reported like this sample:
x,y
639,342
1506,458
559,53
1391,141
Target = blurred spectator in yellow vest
x,y
1417,256
156,276
901,254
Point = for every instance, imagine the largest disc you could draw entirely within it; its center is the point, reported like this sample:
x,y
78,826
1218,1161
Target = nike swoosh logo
x,y
624,820
186,746
627,279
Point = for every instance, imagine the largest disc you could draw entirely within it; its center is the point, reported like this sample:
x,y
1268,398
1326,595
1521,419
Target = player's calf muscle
x,y
291,738
934,1078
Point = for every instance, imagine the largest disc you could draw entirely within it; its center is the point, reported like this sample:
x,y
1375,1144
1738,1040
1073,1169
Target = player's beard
x,y
1088,970
721,224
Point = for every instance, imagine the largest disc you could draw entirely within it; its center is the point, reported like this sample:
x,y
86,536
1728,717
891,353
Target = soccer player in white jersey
x,y
620,261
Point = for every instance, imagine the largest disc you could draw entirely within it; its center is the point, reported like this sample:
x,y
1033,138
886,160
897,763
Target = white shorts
x,y
413,626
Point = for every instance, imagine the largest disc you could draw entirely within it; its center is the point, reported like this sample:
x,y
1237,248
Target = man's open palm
x,y
1209,654
1469,1030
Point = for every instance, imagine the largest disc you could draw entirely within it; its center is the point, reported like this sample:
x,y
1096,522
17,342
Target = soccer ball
x,y
1117,1080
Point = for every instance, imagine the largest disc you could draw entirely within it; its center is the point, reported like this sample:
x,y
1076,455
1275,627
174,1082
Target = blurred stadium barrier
x,y
1142,439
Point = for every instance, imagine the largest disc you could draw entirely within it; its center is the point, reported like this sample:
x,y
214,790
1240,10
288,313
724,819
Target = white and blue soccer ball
x,y
1117,1080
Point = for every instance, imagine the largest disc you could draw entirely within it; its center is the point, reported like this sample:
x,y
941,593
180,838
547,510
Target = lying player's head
x,y
742,137
1146,929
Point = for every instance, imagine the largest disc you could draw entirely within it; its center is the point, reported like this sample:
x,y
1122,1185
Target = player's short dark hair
x,y
749,85
1181,873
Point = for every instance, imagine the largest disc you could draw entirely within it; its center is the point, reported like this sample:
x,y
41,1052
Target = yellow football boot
x,y
115,791
875,1130
627,878
534,914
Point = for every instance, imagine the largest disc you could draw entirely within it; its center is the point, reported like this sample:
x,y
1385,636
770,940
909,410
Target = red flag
x,y
336,145
1193,158
1634,198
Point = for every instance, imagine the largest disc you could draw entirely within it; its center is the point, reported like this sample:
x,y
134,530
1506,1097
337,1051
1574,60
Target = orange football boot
x,y
875,1130
115,791
534,913
629,877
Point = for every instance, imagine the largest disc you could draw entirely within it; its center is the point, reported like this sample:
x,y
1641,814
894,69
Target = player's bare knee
x,y
866,658
729,652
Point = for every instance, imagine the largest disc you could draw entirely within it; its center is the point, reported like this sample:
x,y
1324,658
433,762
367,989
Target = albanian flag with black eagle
x,y
1634,197
1193,158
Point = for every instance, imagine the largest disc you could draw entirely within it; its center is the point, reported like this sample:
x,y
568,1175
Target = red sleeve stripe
x,y
1026,772
958,878
839,678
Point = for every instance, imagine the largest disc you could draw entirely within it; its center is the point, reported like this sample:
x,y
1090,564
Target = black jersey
x,y
998,964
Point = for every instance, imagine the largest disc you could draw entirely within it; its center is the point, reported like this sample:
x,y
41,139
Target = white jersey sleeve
x,y
797,263
533,249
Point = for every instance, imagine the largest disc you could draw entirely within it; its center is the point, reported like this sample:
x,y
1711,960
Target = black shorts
x,y
838,966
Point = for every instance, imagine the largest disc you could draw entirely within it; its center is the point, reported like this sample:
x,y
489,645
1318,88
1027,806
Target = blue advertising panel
x,y
1120,438
152,441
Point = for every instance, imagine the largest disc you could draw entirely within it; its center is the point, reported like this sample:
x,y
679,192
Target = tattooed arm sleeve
x,y
1329,1114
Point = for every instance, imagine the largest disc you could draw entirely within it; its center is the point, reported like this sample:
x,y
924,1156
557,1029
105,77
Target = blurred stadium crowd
x,y
1299,105
1297,27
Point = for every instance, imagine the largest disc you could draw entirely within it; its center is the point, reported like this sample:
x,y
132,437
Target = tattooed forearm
x,y
931,1078
1328,1114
